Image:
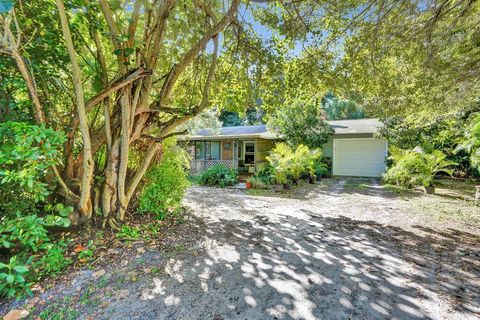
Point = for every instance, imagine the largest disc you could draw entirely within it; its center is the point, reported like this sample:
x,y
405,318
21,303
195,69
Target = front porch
x,y
239,155
202,164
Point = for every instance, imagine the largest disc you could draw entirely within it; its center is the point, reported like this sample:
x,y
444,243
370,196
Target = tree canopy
x,y
301,123
93,94
119,77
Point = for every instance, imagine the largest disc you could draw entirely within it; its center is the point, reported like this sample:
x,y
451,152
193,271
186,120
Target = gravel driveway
x,y
327,251
331,254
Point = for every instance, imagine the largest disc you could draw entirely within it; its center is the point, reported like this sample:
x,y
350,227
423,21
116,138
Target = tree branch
x,y
204,103
142,169
107,13
160,139
169,110
125,103
22,67
87,175
163,12
117,85
132,27
193,52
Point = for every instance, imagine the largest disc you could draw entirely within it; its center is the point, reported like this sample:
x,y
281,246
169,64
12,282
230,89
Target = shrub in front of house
x,y
257,183
290,165
323,167
165,184
266,175
218,176
415,168
263,179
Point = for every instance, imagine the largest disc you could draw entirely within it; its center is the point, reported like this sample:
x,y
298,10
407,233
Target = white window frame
x,y
254,150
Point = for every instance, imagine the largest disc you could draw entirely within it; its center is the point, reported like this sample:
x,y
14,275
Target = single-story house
x,y
353,149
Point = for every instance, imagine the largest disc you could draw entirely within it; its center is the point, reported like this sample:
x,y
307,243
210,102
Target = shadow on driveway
x,y
284,266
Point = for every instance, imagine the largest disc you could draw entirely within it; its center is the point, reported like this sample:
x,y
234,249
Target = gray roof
x,y
235,131
357,126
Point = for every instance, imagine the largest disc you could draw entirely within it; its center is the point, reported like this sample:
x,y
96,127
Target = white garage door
x,y
359,157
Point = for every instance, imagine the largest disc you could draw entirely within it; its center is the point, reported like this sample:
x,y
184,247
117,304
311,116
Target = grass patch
x,y
462,211
457,186
56,312
102,282
172,251
357,184
259,192
398,191
303,190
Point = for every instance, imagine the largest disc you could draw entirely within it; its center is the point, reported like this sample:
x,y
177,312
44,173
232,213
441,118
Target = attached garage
x,y
361,157
353,149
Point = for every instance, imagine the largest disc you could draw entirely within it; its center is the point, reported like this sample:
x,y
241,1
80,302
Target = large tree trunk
x,y
85,202
129,117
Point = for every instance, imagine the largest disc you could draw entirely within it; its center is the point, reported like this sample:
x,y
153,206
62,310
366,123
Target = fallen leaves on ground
x,y
16,314
79,248
99,273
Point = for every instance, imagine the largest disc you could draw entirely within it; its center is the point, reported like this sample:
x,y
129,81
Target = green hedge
x,y
218,176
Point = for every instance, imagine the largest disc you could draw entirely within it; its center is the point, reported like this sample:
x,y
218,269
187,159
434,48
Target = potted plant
x,y
429,189
280,159
430,165
306,158
281,180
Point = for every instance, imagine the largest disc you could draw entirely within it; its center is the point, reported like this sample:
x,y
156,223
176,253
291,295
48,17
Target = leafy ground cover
x,y
98,259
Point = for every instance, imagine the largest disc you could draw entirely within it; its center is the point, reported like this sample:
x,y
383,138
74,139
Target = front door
x,y
227,150
249,156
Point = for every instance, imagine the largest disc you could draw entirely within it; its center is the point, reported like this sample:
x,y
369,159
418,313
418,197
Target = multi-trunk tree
x,y
121,76
129,65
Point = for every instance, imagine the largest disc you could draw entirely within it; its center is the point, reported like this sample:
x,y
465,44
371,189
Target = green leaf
x,y
19,278
66,211
10,278
129,51
11,292
63,222
20,269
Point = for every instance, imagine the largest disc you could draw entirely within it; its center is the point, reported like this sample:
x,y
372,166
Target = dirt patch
x,y
327,251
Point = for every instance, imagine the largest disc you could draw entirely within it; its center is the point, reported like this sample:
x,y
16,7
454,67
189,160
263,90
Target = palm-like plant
x,y
297,166
280,160
413,168
288,163
306,158
432,164
471,143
